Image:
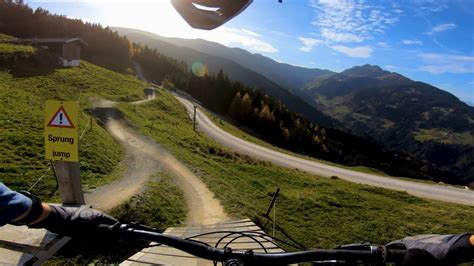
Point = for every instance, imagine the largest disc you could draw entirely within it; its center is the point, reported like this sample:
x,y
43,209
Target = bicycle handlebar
x,y
374,254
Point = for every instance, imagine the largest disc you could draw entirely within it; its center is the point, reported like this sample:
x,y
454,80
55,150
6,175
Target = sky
x,y
426,40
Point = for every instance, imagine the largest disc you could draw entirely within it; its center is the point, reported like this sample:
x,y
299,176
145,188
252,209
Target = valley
x,y
385,107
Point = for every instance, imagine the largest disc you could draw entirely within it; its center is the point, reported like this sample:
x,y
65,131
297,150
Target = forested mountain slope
x,y
400,113
236,72
285,75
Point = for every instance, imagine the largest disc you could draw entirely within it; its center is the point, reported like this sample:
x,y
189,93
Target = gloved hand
x,y
436,249
74,221
79,221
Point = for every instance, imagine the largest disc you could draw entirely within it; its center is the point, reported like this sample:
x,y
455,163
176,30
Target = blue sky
x,y
427,40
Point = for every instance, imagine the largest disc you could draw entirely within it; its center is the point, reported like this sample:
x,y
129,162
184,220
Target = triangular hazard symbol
x,y
61,119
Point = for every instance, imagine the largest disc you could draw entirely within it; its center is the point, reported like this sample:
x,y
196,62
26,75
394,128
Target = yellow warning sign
x,y
60,130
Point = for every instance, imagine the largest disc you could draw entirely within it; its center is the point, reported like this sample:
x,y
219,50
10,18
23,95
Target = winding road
x,y
144,158
429,191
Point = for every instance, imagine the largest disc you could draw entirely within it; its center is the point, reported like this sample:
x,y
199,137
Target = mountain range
x,y
234,70
393,110
399,113
387,105
285,75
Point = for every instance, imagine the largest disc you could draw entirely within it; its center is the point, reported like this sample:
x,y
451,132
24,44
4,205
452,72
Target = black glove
x,y
75,221
436,249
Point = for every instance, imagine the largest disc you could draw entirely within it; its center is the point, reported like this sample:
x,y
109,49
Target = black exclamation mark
x,y
61,118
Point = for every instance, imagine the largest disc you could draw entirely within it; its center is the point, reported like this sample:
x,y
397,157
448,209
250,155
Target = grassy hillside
x,y
318,212
23,92
444,136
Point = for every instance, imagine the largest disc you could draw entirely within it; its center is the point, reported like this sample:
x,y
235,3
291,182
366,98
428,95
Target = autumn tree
x,y
235,106
265,114
246,107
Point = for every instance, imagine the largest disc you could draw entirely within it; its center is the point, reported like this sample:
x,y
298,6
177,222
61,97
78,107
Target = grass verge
x,y
227,126
236,131
317,212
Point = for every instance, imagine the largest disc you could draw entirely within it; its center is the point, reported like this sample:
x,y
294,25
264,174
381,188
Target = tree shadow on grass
x,y
28,71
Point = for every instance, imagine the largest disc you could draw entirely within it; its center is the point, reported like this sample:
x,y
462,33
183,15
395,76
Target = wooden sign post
x,y
194,118
69,183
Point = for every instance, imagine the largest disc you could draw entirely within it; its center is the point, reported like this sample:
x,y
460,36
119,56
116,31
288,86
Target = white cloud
x,y
446,63
471,82
358,51
337,37
241,37
348,21
412,42
454,68
308,43
249,32
441,28
446,57
383,44
432,5
398,11
305,49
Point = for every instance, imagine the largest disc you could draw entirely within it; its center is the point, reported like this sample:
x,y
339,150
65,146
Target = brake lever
x,y
139,226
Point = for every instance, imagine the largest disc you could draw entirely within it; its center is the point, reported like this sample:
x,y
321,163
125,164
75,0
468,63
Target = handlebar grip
x,y
395,255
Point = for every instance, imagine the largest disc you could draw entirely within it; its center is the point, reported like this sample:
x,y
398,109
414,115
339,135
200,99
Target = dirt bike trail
x,y
144,158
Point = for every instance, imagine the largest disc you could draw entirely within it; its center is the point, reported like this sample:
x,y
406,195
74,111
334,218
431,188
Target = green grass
x,y
7,48
23,93
444,136
316,211
13,54
160,205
